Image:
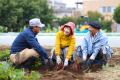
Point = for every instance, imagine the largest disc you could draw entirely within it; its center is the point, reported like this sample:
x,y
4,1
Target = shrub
x,y
106,25
94,16
4,55
7,72
116,15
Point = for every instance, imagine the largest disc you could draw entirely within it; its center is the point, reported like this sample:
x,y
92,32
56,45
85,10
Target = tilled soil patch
x,y
64,75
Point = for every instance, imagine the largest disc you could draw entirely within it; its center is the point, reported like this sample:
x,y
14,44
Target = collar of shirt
x,y
93,37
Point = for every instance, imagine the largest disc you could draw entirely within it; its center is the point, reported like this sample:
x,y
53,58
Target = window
x,y
104,9
109,9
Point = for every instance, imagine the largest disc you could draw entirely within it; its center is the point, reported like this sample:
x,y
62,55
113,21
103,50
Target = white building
x,y
60,9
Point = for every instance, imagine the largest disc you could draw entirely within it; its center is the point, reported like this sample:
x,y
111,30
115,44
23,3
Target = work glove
x,y
84,56
58,60
66,62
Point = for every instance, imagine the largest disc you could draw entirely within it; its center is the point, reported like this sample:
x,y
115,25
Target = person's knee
x,y
12,58
30,53
66,49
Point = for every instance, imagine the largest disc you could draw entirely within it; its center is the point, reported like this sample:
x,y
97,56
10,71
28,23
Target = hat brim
x,y
41,25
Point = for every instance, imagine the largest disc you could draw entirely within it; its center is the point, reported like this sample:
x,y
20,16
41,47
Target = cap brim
x,y
42,25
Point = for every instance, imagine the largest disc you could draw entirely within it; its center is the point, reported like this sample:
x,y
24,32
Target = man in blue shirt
x,y
95,48
26,46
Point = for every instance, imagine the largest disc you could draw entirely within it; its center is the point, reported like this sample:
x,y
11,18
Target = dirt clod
x,y
64,75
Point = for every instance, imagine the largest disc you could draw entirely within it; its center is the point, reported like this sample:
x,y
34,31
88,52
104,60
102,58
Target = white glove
x,y
58,59
84,57
92,57
66,62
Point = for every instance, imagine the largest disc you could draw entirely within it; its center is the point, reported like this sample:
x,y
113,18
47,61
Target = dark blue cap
x,y
95,25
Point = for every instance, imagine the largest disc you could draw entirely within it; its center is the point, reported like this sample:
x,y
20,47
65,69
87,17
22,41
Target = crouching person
x,y
65,44
95,48
26,48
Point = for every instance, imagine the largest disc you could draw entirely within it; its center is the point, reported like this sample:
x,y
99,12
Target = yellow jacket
x,y
63,41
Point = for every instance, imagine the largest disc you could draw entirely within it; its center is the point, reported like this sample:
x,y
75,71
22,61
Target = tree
x,y
116,15
15,14
81,20
94,16
106,25
65,19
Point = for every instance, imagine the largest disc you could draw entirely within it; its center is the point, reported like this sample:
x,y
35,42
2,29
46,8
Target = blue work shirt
x,y
27,39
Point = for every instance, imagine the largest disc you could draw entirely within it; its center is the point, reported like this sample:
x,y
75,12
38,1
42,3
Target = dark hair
x,y
95,24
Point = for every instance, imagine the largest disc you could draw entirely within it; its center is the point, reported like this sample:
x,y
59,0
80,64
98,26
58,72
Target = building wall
x,y
105,7
60,9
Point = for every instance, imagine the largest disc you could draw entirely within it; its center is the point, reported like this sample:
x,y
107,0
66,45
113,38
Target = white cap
x,y
36,22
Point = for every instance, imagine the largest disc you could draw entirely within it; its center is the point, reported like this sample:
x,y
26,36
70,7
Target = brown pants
x,y
23,56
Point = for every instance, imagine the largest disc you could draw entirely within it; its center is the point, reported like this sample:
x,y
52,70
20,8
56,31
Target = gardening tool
x,y
76,66
86,65
60,66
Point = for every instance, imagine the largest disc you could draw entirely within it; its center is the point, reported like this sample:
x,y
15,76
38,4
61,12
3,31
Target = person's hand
x,y
84,57
66,62
58,59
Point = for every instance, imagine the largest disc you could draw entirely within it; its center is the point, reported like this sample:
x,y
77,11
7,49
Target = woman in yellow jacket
x,y
65,44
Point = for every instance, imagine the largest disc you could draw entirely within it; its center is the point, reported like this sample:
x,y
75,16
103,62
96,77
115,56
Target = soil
x,y
115,60
64,75
69,74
